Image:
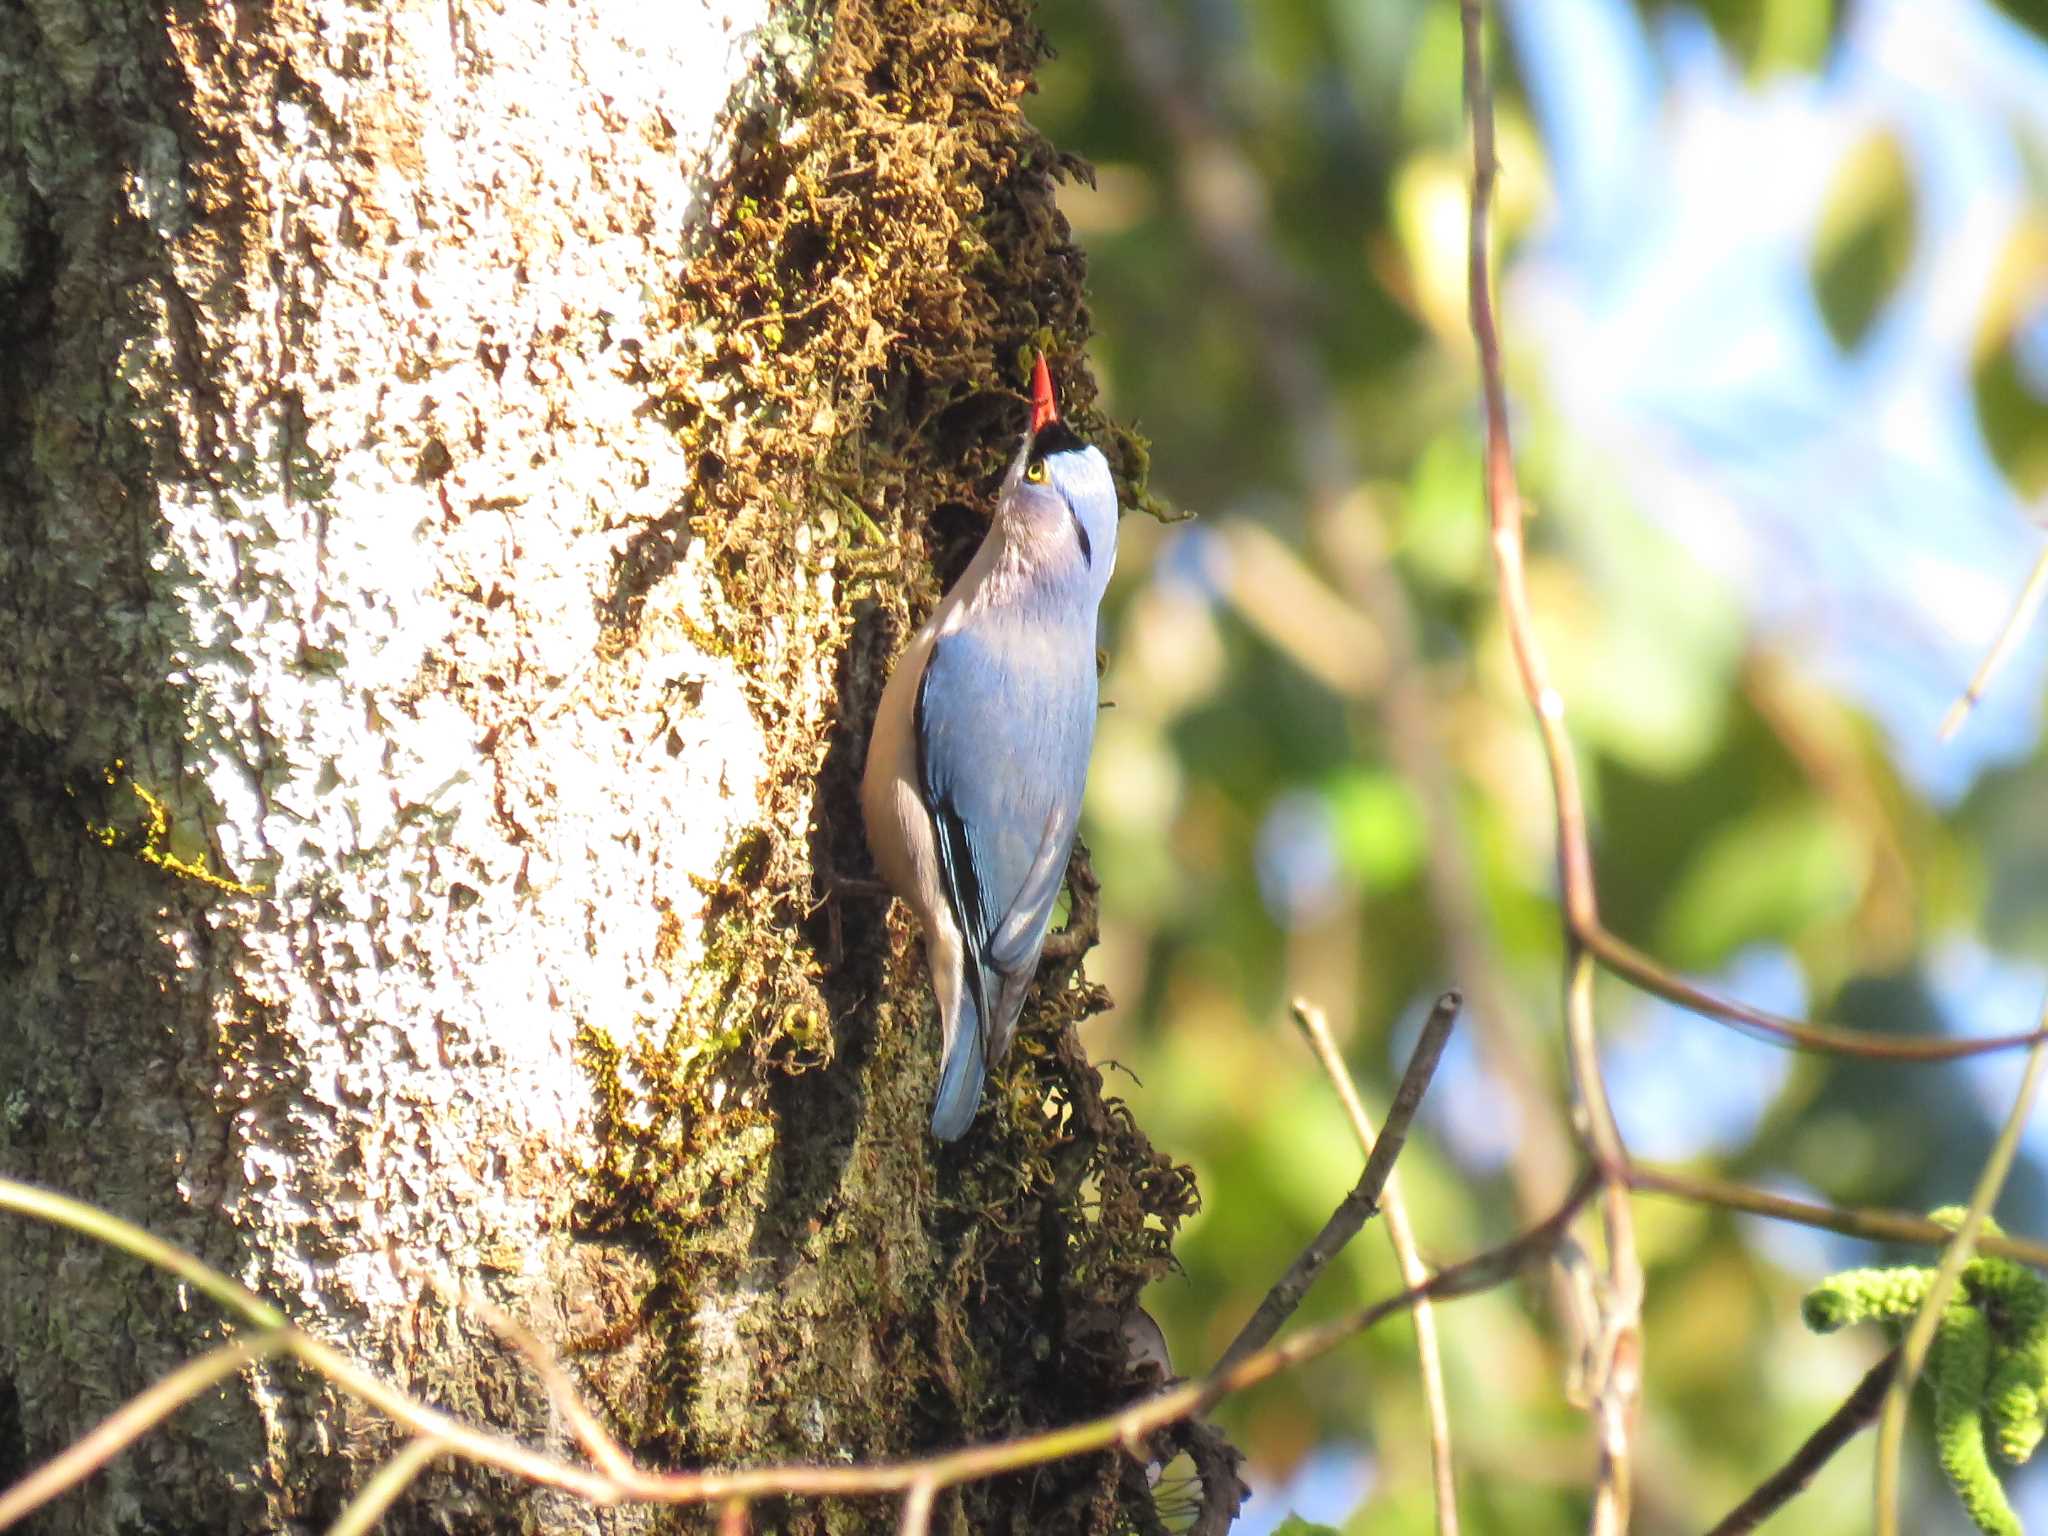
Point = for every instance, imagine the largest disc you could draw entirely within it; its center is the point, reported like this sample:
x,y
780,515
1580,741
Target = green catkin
x,y
1866,1296
1987,1370
2014,1301
1958,1370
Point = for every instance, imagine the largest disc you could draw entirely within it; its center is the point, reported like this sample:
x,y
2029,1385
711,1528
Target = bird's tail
x,y
960,1073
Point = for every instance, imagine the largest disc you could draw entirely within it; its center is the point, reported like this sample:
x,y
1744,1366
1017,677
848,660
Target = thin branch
x,y
1358,1207
382,1491
1481,1272
1613,1370
1129,1428
488,1447
1504,500
591,1435
917,1509
1575,856
1891,1428
1615,1378
732,1518
1415,1080
2008,638
1632,965
1850,1221
1857,1413
1401,1235
104,1227
128,1423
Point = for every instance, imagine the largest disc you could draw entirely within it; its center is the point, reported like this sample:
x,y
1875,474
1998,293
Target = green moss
x,y
846,370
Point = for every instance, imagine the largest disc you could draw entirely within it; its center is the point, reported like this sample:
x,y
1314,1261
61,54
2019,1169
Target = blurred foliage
x,y
2031,14
2013,411
1865,241
1771,35
1751,821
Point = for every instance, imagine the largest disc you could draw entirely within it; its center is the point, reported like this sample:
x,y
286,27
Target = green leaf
x,y
1442,530
1294,1525
2010,407
1865,240
1379,827
1773,37
1764,877
2031,14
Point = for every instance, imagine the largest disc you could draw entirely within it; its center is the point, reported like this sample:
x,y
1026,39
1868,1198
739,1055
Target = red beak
x,y
1043,411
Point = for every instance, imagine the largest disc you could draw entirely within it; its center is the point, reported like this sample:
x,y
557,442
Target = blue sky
x,y
1848,496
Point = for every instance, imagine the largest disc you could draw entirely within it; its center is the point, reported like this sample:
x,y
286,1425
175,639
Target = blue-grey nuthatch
x,y
972,791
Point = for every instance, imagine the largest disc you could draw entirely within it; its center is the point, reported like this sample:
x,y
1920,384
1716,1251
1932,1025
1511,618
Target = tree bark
x,y
465,469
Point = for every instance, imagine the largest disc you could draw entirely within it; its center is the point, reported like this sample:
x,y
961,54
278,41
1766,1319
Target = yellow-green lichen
x,y
151,836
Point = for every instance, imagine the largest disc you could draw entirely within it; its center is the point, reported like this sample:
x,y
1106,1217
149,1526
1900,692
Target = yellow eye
x,y
1035,473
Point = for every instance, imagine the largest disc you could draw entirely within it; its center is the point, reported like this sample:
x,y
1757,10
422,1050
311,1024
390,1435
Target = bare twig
x,y
1612,1375
1632,965
1575,856
101,1226
2009,637
1857,1413
1480,1273
128,1423
1415,1080
1356,1208
1401,1235
591,1435
1614,1380
732,1518
1891,1428
1129,1428
382,1491
917,1509
1851,1221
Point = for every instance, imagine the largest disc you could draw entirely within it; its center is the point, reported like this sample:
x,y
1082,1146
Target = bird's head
x,y
1058,507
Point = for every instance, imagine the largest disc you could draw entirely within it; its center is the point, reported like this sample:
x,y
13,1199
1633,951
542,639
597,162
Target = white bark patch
x,y
475,816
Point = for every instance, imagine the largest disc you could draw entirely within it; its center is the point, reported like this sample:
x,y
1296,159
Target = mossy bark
x,y
465,473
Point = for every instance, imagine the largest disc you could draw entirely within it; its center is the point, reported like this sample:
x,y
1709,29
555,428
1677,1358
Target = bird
x,y
979,752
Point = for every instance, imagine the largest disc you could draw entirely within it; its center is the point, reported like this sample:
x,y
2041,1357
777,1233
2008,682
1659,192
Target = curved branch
x,y
1129,1428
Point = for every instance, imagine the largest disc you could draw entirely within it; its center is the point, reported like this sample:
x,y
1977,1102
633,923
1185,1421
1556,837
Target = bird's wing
x,y
1015,945
1003,732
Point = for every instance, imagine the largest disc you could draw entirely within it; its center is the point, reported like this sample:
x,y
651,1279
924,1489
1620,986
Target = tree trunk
x,y
464,470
